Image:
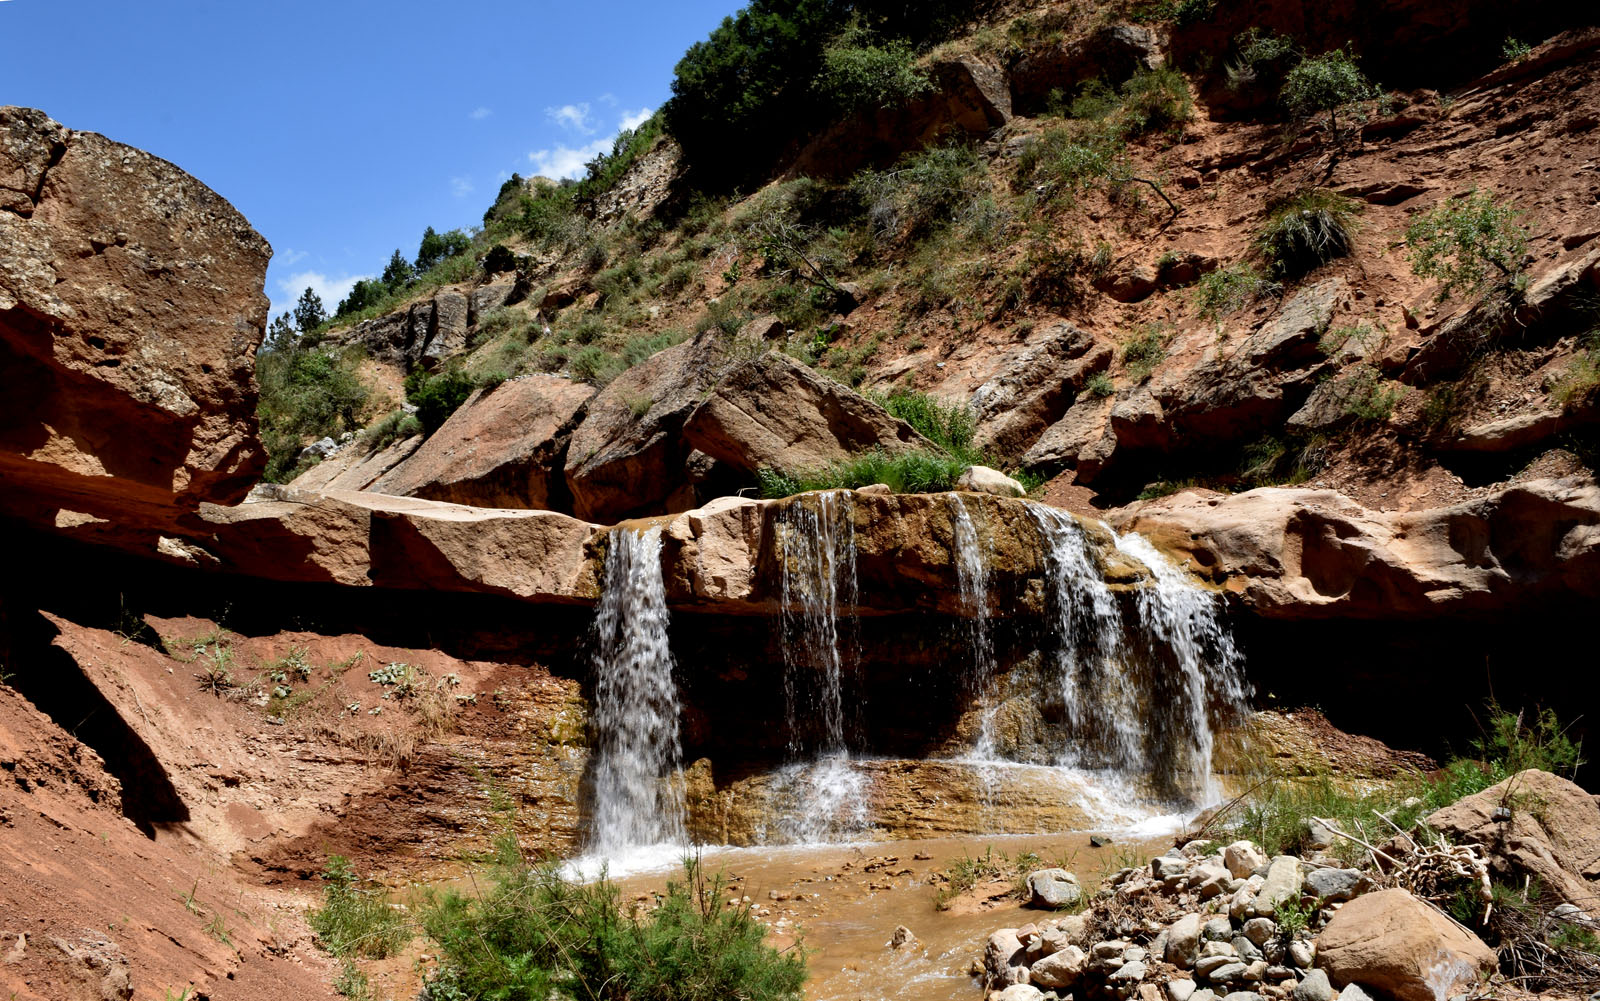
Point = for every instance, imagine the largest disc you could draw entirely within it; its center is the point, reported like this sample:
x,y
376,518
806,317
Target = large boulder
x,y
1035,387
1114,52
131,308
1295,554
1394,943
354,467
501,448
627,456
1533,824
773,412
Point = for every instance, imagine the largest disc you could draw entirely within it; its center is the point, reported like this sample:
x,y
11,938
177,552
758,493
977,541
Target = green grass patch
x,y
355,921
1307,230
919,472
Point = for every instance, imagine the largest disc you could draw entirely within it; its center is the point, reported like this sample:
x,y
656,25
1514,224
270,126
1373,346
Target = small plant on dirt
x,y
1306,230
218,929
1335,340
1472,244
1155,100
190,904
354,921
1229,289
1535,738
1100,385
216,671
1368,398
1515,50
404,679
1145,350
1331,83
1582,376
1292,917
967,872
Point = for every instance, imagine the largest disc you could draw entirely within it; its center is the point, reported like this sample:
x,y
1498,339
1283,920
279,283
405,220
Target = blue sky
x,y
342,128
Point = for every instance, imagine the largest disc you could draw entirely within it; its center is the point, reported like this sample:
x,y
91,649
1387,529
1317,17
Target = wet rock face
x,y
131,308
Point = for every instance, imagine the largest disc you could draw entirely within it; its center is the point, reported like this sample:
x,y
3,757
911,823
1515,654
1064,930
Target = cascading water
x,y
972,578
1182,621
637,801
821,796
1137,696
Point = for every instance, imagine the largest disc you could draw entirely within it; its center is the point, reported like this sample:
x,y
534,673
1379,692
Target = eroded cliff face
x,y
131,308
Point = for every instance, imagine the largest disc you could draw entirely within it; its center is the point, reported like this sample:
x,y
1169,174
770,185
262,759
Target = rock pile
x,y
1208,922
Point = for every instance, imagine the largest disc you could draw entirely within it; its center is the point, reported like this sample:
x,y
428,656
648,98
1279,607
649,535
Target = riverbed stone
x,y
1282,884
1183,941
1398,945
1129,972
1217,930
1180,990
1301,953
1334,884
1258,930
1243,858
1053,889
1315,987
1059,969
1228,972
1165,867
1020,992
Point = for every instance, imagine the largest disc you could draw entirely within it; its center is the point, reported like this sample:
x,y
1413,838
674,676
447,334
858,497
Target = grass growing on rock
x,y
1306,230
919,472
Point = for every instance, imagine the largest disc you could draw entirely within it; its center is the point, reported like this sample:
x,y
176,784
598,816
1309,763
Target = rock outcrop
x,y
1292,553
774,413
501,448
1533,824
1034,388
131,308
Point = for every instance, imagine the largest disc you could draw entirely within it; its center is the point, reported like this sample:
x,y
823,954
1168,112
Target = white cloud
x,y
634,119
290,256
329,290
479,114
564,161
573,117
461,187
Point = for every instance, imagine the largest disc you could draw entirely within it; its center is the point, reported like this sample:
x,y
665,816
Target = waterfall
x,y
821,796
1137,695
1184,621
637,754
972,579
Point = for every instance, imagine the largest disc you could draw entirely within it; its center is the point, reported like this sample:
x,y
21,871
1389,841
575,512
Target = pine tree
x,y
398,273
308,312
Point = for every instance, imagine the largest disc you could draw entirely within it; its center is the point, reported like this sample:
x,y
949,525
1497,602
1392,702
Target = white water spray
x,y
637,799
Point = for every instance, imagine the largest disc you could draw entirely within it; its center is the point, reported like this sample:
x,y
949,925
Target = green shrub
x,y
1328,83
1155,101
435,247
595,365
534,936
925,189
1226,290
1368,398
1515,50
948,425
437,396
1095,100
1260,55
1100,385
1471,244
1307,230
859,76
904,472
1070,158
639,348
1582,376
1145,350
305,394
353,921
396,426
1513,742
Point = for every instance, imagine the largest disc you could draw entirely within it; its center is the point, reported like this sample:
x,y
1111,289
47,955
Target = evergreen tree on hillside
x,y
308,312
438,247
398,273
280,335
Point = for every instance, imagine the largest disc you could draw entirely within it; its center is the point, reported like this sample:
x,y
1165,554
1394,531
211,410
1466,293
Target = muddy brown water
x,y
842,903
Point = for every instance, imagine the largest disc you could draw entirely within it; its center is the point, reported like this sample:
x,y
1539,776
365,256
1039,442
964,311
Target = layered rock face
x,y
131,308
1316,554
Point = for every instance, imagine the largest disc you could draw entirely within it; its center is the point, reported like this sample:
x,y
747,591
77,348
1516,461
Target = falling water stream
x,y
1137,680
638,801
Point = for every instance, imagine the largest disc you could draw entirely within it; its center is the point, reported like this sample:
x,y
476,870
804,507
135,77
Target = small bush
x,y
1328,83
1471,244
1515,50
1155,101
353,921
1072,157
1226,290
535,937
1307,230
1582,376
595,365
395,427
1145,350
1260,55
1100,385
1367,398
437,396
859,77
924,190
